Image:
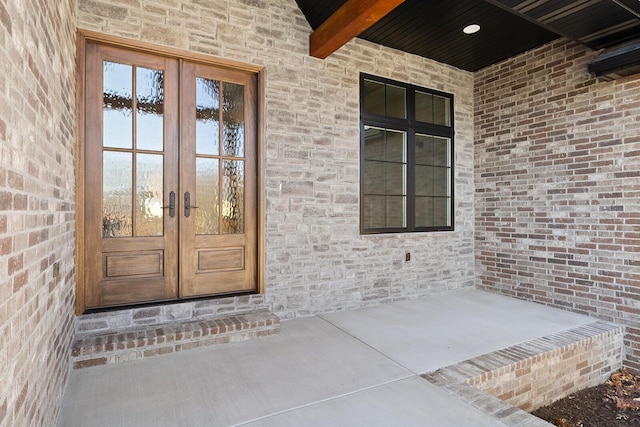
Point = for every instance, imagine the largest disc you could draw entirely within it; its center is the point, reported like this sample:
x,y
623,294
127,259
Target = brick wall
x,y
37,149
557,163
316,260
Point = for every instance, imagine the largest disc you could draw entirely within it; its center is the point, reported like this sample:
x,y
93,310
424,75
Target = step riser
x,y
95,349
508,382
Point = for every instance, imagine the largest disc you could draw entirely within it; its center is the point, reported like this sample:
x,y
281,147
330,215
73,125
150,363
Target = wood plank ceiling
x,y
433,28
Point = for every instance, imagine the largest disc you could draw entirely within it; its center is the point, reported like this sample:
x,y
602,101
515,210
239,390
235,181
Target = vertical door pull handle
x,y
187,205
172,204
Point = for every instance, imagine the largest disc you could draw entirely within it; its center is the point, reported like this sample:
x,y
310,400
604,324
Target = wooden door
x,y
131,139
218,241
150,159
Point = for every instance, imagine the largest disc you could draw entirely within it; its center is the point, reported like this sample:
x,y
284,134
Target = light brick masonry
x,y
316,259
37,193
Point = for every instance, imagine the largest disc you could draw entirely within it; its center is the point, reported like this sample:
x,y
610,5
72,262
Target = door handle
x,y
187,205
172,204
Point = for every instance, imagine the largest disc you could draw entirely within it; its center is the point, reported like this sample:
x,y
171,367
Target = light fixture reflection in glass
x,y
470,29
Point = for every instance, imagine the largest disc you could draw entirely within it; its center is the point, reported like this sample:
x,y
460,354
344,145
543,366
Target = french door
x,y
170,179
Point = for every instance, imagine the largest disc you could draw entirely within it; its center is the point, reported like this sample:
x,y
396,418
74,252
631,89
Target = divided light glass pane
x,y
424,107
396,211
442,212
208,201
207,116
373,177
441,181
374,97
233,197
424,180
395,179
233,120
433,109
117,194
149,192
441,110
424,211
117,105
396,101
396,146
424,150
374,143
441,151
149,109
374,213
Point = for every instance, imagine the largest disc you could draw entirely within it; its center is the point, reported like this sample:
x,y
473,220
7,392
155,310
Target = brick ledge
x,y
101,348
600,344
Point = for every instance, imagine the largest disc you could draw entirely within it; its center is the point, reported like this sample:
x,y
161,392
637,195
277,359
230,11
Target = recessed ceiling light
x,y
470,29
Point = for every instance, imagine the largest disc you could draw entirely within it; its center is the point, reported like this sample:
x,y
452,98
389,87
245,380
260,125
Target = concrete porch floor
x,y
352,368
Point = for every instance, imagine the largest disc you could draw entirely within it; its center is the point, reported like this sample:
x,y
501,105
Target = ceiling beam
x,y
349,21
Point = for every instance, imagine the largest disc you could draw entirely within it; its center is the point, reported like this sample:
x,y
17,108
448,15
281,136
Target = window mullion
x,y
411,181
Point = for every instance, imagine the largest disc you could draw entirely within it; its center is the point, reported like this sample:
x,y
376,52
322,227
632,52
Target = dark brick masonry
x,y
101,348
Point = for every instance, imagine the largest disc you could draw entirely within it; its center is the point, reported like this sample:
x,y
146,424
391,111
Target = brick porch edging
x,y
527,376
101,348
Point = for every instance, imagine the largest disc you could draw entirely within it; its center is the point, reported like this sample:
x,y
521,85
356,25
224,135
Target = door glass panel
x,y
117,194
208,201
117,105
207,116
149,190
233,197
233,119
149,109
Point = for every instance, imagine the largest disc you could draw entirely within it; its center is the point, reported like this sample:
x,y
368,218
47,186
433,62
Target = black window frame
x,y
412,127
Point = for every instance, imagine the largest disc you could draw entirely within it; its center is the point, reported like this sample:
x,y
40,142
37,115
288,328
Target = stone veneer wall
x,y
557,170
316,260
37,161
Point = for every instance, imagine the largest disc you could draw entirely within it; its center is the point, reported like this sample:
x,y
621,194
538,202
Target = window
x,y
406,157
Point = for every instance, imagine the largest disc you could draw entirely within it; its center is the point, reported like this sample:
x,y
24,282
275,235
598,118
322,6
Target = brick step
x,y
101,348
509,383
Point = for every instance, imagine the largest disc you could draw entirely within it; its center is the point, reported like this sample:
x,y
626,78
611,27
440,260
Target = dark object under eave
x,y
617,62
